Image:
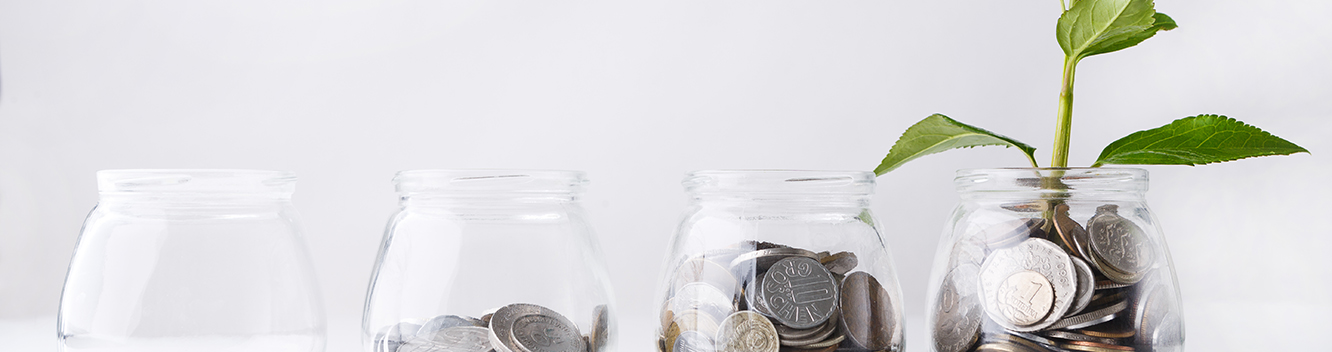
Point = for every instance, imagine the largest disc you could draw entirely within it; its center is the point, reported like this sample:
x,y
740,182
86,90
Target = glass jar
x,y
1054,259
779,261
477,260
191,260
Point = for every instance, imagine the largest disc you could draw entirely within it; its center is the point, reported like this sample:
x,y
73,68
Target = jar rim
x,y
196,181
779,181
1021,179
474,181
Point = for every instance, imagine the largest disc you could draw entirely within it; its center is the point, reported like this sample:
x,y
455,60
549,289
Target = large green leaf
x,y
938,133
1092,27
1196,140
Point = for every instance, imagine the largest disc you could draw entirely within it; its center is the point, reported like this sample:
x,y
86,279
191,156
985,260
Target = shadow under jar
x,y
769,261
191,260
1054,260
489,260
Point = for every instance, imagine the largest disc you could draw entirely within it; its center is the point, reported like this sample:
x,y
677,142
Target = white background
x,y
636,93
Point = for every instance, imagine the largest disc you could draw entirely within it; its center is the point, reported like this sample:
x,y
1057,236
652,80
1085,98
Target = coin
x,y
1119,246
1037,255
1085,289
827,343
1097,316
968,250
693,341
1002,347
1108,284
542,333
392,337
1069,232
763,259
958,317
799,292
746,331
691,320
1025,298
1010,233
1094,347
439,323
788,333
819,335
522,327
1073,336
840,263
1150,314
461,339
868,317
704,297
600,328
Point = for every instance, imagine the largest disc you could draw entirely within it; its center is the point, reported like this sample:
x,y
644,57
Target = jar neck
x,y
197,188
789,188
488,188
1052,183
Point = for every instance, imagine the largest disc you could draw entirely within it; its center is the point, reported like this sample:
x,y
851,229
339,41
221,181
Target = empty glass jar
x,y
1054,260
481,260
191,260
779,261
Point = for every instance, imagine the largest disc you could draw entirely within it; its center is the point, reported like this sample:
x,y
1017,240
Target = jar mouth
x,y
741,182
230,182
489,181
1099,179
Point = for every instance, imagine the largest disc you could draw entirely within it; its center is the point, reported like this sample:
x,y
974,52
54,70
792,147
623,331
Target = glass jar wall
x,y
481,260
1054,260
779,261
191,260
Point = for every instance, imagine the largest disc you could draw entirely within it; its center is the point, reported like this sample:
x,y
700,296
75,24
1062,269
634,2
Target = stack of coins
x,y
516,327
766,297
1053,285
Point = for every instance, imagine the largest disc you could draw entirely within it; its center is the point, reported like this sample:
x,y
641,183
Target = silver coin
x,y
693,341
969,250
1086,286
1009,233
1119,245
545,333
957,319
1037,255
1096,316
522,327
1073,336
1026,298
461,339
1152,317
705,298
439,323
819,335
392,337
746,331
600,333
800,292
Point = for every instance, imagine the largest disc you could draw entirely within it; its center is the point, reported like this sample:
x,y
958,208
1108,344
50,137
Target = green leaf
x,y
938,133
1092,27
1196,140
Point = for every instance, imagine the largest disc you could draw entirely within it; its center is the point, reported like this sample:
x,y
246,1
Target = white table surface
x,y
1211,326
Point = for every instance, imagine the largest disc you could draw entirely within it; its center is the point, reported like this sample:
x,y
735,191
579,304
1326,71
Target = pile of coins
x,y
765,297
517,327
1049,284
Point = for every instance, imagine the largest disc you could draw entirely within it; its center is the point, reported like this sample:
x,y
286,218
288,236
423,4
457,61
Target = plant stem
x,y
1063,5
1064,121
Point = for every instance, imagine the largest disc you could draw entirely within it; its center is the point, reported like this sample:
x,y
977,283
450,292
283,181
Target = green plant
x,y
1088,28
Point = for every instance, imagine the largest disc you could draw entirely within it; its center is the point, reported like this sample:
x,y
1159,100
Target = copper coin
x,y
840,263
868,319
1072,234
1094,347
